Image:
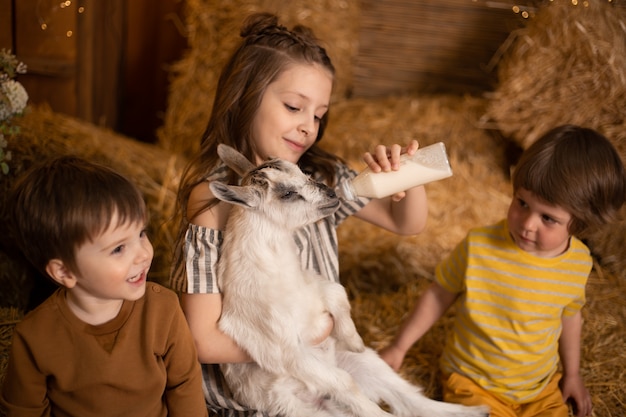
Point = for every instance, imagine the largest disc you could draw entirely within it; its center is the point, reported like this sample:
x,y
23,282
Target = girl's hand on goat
x,y
329,330
387,158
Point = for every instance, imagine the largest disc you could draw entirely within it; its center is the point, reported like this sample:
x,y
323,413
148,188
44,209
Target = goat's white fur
x,y
275,310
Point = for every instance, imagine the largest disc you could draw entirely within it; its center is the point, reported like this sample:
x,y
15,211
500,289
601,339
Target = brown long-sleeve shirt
x,y
142,363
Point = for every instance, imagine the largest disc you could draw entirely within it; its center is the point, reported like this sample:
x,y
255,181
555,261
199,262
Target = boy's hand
x,y
573,388
393,356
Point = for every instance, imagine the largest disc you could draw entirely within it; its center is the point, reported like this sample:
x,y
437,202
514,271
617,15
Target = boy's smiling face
x,y
538,227
114,266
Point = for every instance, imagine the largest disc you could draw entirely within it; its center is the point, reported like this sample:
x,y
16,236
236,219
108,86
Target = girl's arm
x,y
428,309
572,384
203,311
404,213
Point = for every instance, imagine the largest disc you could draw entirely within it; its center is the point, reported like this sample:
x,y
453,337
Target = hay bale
x,y
568,65
15,280
46,134
9,317
608,244
603,347
213,32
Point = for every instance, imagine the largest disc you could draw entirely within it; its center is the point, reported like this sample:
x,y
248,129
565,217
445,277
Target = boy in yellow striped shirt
x,y
519,285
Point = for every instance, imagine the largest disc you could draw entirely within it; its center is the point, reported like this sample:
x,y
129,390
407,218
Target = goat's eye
x,y
289,195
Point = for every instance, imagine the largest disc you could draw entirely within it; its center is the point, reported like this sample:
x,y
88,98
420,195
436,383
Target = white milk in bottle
x,y
427,164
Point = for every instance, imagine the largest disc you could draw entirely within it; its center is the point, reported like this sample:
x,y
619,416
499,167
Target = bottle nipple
x,y
346,191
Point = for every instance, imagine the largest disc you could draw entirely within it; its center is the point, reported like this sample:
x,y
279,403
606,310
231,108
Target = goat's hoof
x,y
356,347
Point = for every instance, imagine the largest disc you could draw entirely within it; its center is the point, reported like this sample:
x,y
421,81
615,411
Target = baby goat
x,y
275,310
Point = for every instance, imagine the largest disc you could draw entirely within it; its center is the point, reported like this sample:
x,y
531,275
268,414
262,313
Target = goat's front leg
x,y
338,305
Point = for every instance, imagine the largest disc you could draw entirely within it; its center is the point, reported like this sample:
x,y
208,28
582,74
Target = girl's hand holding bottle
x,y
393,170
387,158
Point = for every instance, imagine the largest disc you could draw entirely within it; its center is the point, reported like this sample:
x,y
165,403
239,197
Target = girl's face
x,y
114,266
538,227
288,119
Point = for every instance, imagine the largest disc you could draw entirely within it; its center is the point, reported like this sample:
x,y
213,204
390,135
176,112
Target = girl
x,y
272,99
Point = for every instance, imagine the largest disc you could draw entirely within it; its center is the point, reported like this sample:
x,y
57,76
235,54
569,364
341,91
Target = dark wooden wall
x,y
155,39
432,46
102,61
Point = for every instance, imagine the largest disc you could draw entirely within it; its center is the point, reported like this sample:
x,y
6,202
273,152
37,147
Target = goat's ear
x,y
234,160
242,196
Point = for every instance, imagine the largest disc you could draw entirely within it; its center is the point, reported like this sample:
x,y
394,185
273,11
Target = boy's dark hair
x,y
577,169
61,204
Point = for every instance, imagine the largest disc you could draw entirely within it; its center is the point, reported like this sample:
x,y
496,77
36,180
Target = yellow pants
x,y
461,390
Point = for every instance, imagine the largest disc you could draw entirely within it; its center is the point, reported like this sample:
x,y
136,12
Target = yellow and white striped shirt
x,y
508,318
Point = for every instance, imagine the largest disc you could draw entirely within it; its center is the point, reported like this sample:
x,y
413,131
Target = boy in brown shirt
x,y
107,342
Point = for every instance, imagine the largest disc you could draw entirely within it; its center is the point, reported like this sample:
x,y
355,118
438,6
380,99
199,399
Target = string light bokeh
x,y
47,10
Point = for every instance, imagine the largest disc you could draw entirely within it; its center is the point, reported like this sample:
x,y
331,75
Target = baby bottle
x,y
427,164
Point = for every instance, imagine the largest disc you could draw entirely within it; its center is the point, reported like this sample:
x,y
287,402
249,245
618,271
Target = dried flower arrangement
x,y
13,99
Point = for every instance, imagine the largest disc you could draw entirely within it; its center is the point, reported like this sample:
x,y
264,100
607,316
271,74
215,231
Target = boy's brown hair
x,y
62,203
577,169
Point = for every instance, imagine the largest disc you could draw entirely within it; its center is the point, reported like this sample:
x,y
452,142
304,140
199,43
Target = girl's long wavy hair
x,y
266,50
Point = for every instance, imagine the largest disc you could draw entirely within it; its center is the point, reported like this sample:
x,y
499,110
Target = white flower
x,y
13,99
